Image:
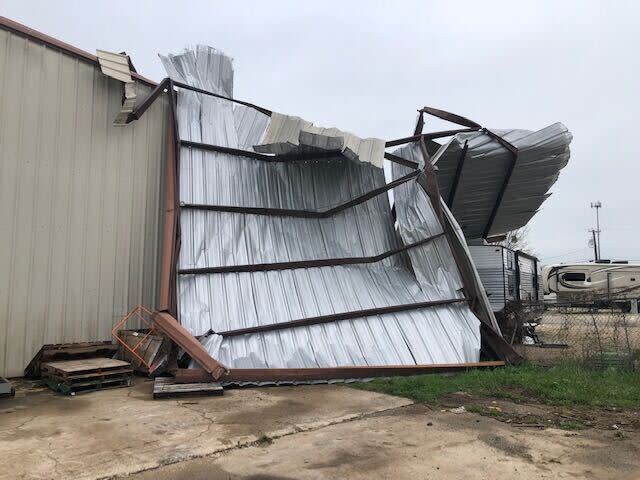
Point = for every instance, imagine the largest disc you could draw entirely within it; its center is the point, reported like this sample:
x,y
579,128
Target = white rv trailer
x,y
593,282
507,275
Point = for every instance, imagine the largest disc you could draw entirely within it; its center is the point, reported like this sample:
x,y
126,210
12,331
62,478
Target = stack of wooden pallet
x,y
75,376
68,351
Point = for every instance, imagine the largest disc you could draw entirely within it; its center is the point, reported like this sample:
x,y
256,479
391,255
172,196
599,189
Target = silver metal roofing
x,y
541,156
225,301
288,134
115,65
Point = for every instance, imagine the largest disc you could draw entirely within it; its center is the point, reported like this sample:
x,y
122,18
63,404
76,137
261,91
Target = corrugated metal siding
x,y
510,274
527,279
79,201
541,156
228,301
489,260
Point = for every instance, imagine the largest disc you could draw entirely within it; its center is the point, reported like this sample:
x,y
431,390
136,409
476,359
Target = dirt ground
x,y
307,432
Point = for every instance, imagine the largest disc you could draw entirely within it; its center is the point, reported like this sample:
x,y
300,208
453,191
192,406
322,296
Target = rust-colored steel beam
x,y
430,136
498,345
450,117
323,262
285,212
167,267
300,157
402,161
506,144
155,93
181,336
456,178
419,124
328,373
206,92
335,317
501,192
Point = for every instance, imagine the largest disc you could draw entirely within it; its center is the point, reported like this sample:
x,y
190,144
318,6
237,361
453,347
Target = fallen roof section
x,y
493,181
273,265
272,287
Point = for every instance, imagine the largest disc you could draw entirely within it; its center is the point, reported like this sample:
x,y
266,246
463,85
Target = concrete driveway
x,y
116,432
306,432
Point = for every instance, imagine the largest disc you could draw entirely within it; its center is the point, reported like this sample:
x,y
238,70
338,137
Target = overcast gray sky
x,y
367,66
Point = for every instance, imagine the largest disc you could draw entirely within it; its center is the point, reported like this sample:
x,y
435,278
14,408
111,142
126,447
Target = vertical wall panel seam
x,y
34,215
5,330
16,196
85,216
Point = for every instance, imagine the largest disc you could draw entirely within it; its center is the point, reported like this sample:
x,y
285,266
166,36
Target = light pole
x,y
597,205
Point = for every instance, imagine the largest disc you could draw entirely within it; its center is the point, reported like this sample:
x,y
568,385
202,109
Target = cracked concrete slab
x,y
117,432
417,442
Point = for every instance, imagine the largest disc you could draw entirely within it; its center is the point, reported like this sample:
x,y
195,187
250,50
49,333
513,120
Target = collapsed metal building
x,y
281,252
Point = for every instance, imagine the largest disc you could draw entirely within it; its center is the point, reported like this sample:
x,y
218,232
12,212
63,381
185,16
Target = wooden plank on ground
x,y
165,387
68,351
85,365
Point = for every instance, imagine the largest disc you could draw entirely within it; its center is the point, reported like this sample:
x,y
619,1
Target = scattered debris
x,y
152,350
68,351
75,376
165,387
6,389
461,409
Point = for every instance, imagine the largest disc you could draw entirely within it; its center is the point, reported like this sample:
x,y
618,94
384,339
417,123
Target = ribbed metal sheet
x,y
541,156
445,334
490,260
79,201
527,278
285,135
115,65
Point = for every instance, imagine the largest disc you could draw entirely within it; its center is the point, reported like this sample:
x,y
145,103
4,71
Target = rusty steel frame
x,y
323,262
167,324
138,313
430,136
429,182
426,178
501,192
336,317
206,92
304,213
456,179
165,320
241,375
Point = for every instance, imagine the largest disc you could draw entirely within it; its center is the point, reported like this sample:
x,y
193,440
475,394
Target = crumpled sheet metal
x,y
541,156
286,133
220,302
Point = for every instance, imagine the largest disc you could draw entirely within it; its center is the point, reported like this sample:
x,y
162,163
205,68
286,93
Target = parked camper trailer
x,y
602,282
507,275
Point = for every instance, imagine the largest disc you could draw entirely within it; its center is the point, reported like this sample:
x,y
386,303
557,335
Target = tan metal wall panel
x,y
80,201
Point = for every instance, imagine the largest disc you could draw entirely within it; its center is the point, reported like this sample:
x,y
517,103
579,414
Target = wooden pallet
x,y
6,389
164,387
88,374
84,387
68,351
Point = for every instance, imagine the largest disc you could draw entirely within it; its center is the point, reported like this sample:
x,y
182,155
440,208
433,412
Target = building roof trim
x,y
35,35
